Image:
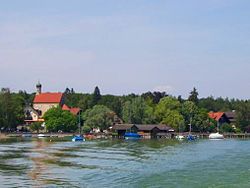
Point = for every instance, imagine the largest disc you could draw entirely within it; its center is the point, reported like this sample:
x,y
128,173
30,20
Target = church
x,y
43,102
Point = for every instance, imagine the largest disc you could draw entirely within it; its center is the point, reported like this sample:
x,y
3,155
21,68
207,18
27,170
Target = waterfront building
x,y
223,117
146,131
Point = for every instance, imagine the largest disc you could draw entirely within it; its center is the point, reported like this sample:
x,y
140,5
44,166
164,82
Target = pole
x,y
79,122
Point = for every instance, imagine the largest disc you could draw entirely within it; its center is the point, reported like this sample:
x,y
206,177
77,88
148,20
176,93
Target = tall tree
x,y
168,112
137,111
7,117
194,96
96,96
98,117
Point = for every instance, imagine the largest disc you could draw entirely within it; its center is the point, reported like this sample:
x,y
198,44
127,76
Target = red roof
x,y
215,115
74,111
65,107
48,98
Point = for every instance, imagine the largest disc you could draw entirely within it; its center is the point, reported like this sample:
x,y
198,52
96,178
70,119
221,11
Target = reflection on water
x,y
119,163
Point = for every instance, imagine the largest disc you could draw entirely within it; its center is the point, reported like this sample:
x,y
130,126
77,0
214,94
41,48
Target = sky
x,y
127,46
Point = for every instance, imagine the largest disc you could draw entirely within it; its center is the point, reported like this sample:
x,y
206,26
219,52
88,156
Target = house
x,y
74,111
231,116
223,117
146,131
41,104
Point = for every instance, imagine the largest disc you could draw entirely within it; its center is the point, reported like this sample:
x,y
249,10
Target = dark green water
x,y
107,163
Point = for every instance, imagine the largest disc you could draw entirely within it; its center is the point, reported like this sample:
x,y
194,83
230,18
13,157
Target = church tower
x,y
38,88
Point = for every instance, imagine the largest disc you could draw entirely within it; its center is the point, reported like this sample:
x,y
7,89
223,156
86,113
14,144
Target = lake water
x,y
118,163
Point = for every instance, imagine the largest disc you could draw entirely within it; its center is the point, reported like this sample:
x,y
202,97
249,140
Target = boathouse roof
x,y
141,127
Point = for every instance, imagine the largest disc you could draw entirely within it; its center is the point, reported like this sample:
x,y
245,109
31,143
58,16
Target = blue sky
x,y
127,46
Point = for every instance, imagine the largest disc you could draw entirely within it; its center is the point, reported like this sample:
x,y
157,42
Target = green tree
x,y
174,119
36,126
168,112
96,97
137,111
85,102
189,110
227,128
114,103
165,104
57,119
98,117
194,96
86,129
8,114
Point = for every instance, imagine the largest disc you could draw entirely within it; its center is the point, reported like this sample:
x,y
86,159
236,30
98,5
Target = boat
x,y
191,137
180,137
215,136
42,136
27,135
78,138
132,136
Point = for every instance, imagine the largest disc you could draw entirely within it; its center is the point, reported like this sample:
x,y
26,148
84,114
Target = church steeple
x,y
38,88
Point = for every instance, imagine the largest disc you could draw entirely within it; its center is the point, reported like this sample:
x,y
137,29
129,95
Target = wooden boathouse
x,y
146,131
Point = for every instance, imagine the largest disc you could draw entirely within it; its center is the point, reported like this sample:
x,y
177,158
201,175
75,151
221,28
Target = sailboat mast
x,y
79,122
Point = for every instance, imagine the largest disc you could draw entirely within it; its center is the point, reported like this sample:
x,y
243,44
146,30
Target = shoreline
x,y
98,136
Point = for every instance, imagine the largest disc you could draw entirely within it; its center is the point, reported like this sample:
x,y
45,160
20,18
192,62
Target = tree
x,y
165,104
57,119
188,110
174,119
96,96
137,111
156,96
85,102
10,110
98,117
114,103
36,126
194,96
168,112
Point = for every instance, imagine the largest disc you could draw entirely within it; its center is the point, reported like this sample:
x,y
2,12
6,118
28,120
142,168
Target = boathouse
x,y
146,131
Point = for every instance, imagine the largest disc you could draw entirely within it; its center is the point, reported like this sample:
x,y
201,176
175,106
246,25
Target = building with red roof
x,y
74,111
42,103
220,117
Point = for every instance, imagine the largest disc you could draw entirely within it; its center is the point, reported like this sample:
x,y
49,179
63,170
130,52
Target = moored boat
x,y
132,136
27,135
180,137
216,136
42,135
78,138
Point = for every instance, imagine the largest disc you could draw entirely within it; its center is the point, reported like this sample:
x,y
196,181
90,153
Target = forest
x,y
103,111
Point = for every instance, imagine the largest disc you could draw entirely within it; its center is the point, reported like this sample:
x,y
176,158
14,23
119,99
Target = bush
x,y
225,127
36,126
86,129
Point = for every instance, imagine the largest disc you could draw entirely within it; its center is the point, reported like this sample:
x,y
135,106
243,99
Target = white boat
x,y
216,136
180,137
42,135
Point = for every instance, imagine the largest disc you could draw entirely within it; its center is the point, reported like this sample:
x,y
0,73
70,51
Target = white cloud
x,y
164,88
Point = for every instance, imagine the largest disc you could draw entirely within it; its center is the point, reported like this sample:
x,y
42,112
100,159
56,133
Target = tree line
x,y
148,108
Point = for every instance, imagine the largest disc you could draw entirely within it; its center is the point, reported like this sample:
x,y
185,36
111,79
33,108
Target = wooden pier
x,y
226,135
